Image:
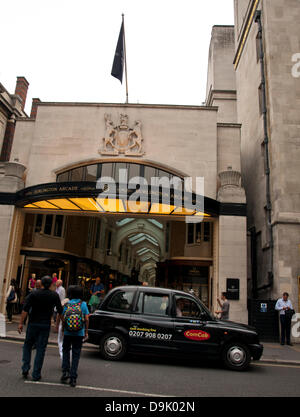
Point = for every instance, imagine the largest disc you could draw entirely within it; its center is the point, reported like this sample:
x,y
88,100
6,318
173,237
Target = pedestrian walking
x,y
286,312
38,285
225,306
11,299
39,305
75,323
60,332
61,293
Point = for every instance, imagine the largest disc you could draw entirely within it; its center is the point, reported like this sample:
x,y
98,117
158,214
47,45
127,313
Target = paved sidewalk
x,y
273,353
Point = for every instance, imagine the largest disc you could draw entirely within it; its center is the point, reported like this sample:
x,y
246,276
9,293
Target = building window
x,y
49,224
108,246
97,237
58,225
38,223
120,252
198,233
95,171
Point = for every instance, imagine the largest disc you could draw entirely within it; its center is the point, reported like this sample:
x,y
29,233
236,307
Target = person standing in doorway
x,y
225,306
61,293
284,306
39,305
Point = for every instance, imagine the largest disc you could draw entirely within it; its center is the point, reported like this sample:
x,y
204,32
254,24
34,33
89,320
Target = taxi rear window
x,y
151,303
121,301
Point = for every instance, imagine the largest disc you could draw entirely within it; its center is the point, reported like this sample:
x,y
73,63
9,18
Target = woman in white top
x,y
11,299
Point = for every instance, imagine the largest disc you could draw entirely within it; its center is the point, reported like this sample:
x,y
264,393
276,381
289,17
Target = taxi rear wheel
x,y
113,346
236,356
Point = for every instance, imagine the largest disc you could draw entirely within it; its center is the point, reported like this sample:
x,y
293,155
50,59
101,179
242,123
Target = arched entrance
x,y
92,226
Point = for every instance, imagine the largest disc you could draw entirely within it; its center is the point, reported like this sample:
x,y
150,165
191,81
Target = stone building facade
x,y
56,215
267,44
57,221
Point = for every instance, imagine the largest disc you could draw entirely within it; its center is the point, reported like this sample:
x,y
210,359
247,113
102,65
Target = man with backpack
x,y
75,322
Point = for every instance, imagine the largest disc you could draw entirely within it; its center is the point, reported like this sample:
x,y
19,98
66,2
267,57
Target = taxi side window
x,y
121,301
157,304
186,307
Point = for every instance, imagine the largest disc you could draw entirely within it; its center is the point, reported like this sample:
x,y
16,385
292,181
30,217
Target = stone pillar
x,y
8,139
233,244
11,226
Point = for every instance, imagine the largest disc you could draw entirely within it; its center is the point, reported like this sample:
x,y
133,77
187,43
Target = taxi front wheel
x,y
113,346
236,356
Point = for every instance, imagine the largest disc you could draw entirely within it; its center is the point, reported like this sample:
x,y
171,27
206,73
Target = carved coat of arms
x,y
121,139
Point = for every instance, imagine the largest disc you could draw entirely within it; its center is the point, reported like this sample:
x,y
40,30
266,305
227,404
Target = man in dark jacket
x,y
39,305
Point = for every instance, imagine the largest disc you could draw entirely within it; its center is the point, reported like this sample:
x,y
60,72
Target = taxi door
x,y
151,326
193,332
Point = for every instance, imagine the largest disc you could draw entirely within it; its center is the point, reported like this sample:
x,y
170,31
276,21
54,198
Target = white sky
x,y
65,48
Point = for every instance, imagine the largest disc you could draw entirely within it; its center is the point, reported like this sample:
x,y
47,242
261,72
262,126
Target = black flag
x,y
118,64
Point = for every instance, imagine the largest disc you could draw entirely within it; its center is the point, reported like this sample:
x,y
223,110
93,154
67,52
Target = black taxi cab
x,y
159,320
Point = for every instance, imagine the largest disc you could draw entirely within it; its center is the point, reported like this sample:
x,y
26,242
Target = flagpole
x,y
125,60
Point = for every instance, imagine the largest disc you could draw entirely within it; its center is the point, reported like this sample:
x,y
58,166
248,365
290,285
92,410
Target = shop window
x,y
121,301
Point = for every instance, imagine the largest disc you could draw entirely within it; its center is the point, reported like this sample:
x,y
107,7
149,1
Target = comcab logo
x,y
196,335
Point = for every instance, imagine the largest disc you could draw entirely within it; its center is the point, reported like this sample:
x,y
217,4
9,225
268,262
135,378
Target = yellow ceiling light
x,y
30,206
88,204
158,208
45,205
133,206
199,213
184,211
64,204
111,205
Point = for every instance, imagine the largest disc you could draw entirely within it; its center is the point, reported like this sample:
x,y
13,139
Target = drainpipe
x,y
266,155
